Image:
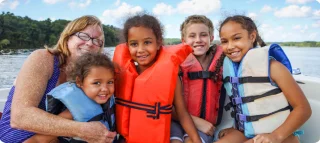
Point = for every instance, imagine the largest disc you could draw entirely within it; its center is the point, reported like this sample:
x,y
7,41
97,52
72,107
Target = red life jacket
x,y
144,102
201,91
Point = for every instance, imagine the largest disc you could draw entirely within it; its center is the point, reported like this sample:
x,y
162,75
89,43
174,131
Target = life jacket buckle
x,y
241,117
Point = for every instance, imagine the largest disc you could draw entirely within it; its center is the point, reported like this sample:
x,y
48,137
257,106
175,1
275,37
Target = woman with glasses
x,y
24,114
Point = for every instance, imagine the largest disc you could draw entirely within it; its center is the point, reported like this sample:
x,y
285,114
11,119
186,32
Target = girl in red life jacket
x,y
144,66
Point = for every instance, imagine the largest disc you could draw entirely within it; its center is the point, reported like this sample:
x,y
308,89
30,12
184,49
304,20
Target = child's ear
x,y
182,40
253,36
211,38
78,82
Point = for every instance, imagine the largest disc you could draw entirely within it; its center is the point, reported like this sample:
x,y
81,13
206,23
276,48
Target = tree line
x,y
18,32
301,44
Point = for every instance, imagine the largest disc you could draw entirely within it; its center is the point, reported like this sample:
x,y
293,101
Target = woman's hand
x,y
96,132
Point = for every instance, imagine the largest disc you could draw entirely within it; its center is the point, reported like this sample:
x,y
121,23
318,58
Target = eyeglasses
x,y
86,37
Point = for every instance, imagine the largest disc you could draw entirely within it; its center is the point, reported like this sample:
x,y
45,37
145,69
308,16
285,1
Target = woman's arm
x,y
301,108
48,138
183,115
30,87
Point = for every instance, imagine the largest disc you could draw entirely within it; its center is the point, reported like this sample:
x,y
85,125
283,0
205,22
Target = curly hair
x,y
219,63
147,21
82,66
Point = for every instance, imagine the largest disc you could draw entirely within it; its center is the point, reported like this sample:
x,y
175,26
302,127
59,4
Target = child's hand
x,y
205,126
266,138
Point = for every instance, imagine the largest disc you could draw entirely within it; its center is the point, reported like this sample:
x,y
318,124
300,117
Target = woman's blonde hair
x,y
61,48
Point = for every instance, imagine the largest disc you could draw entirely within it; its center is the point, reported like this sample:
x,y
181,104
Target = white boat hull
x,y
309,86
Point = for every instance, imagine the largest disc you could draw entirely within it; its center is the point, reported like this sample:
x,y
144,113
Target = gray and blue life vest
x,y
259,106
82,108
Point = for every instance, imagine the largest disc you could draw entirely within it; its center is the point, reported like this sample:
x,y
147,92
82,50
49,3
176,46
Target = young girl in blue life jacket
x,y
201,75
268,105
88,96
147,83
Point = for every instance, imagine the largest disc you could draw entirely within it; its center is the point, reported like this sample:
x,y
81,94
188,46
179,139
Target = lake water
x,y
307,59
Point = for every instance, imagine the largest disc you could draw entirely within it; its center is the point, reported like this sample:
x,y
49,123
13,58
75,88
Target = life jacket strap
x,y
248,79
153,111
245,118
201,75
106,116
242,100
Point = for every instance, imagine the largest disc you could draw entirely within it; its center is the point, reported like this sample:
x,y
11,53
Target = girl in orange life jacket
x,y
93,73
143,35
201,94
238,35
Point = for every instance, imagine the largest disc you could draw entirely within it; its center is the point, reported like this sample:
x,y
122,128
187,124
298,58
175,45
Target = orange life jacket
x,y
202,87
144,102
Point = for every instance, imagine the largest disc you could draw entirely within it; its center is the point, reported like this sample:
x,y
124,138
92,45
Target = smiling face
x,y
77,46
198,37
98,85
235,40
143,46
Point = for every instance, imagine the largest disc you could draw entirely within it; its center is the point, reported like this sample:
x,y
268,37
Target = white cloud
x,y
296,27
14,4
300,28
279,28
168,26
198,6
298,1
252,15
171,31
110,16
316,13
313,36
53,19
51,1
162,9
293,11
82,4
266,8
316,25
117,3
10,4
264,26
251,1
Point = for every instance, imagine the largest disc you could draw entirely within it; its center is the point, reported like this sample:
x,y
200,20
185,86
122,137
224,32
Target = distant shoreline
x,y
309,44
174,41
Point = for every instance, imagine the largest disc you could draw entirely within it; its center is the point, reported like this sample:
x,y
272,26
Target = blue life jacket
x,y
82,108
259,106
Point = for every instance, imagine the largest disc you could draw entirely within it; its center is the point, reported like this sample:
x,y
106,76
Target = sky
x,y
277,20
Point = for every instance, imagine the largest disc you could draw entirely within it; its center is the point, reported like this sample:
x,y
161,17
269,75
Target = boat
x,y
309,86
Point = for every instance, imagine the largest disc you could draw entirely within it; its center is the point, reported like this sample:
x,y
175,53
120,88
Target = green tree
x,y
4,43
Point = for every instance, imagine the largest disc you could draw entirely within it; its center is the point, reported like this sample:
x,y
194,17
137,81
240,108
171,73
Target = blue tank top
x,y
8,134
